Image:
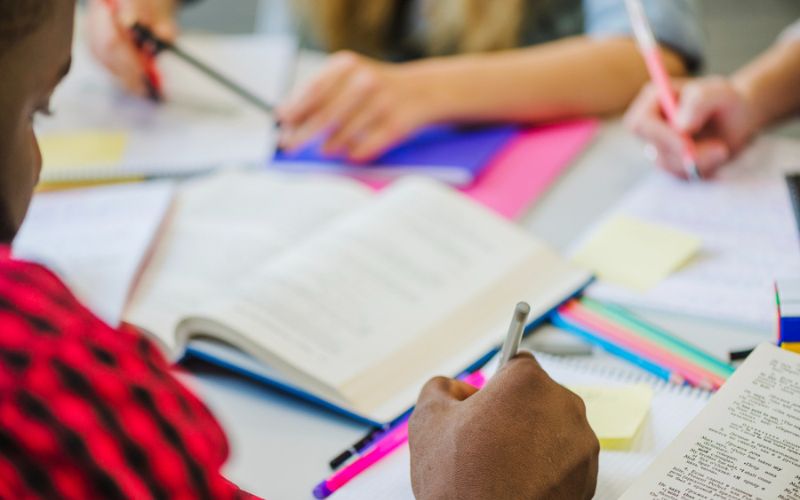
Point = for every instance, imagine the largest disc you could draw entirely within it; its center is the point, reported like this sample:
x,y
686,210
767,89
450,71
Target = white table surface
x,y
281,446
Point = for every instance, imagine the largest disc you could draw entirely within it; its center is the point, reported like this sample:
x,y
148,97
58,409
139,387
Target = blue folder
x,y
451,154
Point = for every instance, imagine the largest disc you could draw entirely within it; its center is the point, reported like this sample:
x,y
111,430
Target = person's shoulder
x,y
35,293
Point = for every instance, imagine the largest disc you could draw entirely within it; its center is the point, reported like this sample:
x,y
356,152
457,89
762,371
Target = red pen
x,y
147,57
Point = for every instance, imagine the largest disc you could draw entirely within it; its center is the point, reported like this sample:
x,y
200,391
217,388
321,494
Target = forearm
x,y
771,83
570,78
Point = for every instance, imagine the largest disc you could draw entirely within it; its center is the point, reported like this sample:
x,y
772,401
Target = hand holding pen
x,y
109,24
713,111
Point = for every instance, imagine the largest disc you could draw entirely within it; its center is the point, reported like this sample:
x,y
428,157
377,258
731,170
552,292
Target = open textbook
x,y
745,443
353,297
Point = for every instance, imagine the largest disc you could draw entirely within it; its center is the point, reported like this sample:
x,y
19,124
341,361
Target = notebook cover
x,y
463,151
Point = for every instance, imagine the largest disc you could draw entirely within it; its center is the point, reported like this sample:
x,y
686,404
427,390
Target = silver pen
x,y
514,337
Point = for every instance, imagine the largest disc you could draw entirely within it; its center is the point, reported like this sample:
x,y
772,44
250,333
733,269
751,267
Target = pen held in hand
x,y
646,41
515,330
144,37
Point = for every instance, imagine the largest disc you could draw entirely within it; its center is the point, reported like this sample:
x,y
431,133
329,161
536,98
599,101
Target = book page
x,y
745,444
749,238
96,239
381,298
222,227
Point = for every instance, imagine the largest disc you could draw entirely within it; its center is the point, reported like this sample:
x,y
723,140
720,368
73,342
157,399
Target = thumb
x,y
442,390
711,155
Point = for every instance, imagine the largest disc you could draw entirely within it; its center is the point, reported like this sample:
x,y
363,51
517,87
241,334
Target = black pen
x,y
144,37
357,448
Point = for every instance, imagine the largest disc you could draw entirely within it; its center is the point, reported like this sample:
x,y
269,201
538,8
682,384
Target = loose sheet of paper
x,y
635,253
745,220
745,444
95,239
200,125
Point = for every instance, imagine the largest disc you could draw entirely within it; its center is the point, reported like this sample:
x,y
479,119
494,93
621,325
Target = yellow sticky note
x,y
636,254
616,413
86,149
791,346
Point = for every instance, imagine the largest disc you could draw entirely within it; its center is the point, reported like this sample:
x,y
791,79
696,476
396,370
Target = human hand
x,y
112,44
363,107
522,436
713,111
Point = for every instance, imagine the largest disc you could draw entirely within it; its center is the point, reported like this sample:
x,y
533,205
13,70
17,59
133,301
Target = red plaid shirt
x,y
87,411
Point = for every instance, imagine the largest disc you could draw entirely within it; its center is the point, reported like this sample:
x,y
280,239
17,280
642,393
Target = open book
x,y
353,297
745,443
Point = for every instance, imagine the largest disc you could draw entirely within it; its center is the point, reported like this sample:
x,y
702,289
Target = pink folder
x,y
528,166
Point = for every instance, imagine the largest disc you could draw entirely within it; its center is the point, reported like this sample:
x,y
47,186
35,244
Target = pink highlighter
x,y
389,442
658,73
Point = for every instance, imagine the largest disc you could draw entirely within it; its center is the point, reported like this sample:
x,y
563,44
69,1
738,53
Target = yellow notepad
x,y
616,413
88,149
635,253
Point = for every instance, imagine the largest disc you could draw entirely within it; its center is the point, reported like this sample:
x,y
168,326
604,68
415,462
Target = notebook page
x,y
672,408
421,270
199,126
745,444
95,239
749,238
224,226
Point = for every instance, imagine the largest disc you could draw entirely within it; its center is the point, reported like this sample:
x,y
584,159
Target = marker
x,y
514,336
357,448
658,73
383,446
147,58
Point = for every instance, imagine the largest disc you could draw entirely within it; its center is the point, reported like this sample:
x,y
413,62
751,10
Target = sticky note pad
x,y
634,253
86,149
616,413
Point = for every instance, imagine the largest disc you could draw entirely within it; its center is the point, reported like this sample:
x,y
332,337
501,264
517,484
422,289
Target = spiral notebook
x,y
672,408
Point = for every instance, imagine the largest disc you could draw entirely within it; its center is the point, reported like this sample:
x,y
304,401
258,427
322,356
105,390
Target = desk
x,y
280,446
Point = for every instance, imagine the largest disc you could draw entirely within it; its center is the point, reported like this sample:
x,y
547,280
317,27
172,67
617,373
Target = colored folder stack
x,y
651,348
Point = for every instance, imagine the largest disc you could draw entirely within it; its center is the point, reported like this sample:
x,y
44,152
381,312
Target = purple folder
x,y
456,155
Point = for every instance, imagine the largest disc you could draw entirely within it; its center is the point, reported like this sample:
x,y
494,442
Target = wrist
x,y
756,114
440,96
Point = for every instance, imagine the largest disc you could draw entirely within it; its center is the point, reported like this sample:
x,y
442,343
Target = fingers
x,y
325,85
701,101
112,47
352,95
379,138
441,392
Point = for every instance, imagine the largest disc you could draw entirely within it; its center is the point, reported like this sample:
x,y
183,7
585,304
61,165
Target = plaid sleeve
x,y
87,411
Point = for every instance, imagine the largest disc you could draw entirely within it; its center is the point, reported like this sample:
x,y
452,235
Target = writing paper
x,y
745,220
95,239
